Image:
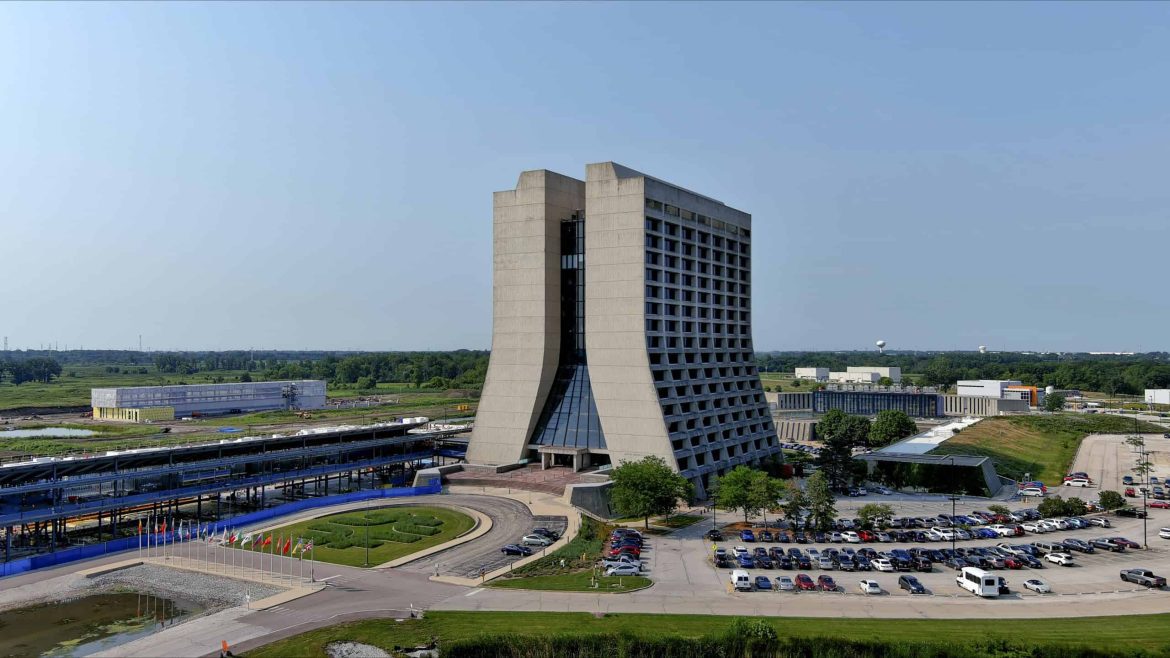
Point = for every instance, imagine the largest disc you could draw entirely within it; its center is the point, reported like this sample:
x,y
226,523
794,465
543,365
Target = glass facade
x,y
569,417
922,405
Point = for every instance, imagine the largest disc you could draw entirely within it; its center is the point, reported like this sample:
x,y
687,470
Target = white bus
x,y
978,582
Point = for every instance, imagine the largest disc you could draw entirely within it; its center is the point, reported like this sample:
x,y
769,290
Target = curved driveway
x,y
511,520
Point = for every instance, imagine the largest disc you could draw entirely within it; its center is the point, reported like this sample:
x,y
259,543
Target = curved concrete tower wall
x,y
615,321
525,312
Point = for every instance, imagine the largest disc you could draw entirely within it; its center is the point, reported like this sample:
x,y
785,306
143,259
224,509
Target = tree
x,y
820,500
1074,507
840,433
734,491
648,487
1051,506
999,510
795,502
1111,500
872,512
765,492
245,377
889,426
885,381
1054,402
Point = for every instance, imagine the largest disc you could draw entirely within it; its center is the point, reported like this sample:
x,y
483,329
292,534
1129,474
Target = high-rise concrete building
x,y
621,328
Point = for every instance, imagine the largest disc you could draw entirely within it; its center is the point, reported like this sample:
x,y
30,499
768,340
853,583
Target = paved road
x,y
1107,458
511,520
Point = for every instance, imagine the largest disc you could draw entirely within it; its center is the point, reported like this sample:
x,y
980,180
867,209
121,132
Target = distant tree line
x,y
1109,374
36,369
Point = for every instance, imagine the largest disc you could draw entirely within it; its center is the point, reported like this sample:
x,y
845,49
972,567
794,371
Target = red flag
x,y
164,527
140,526
287,544
267,540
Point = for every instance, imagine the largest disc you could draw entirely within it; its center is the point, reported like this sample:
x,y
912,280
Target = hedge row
x,y
613,645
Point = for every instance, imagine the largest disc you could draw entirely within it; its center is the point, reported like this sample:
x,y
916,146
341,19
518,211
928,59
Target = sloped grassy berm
x,y
393,533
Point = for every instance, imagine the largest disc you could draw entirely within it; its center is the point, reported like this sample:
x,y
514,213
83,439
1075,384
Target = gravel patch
x,y
211,592
208,591
354,650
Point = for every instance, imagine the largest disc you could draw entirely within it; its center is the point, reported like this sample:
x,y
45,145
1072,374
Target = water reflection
x,y
89,624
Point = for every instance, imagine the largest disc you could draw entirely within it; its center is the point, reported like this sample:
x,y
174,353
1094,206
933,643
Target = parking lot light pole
x,y
954,499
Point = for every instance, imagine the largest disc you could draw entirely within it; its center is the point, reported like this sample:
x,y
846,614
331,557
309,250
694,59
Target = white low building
x,y
1158,395
893,372
854,377
815,374
985,388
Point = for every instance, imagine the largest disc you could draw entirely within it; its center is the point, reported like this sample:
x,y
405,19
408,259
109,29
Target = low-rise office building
x,y
867,403
156,403
854,377
985,388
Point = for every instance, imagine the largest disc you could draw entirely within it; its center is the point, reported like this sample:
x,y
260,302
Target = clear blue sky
x,y
319,176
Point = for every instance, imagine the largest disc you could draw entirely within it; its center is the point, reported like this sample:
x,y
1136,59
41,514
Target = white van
x,y
741,581
1032,491
978,582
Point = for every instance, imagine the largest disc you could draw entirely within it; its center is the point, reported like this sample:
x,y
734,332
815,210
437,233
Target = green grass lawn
x,y
580,581
1043,446
394,532
1118,634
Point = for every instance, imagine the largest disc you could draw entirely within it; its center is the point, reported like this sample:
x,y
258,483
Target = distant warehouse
x,y
149,403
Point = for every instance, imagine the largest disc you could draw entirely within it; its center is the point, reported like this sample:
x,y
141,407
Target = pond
x,y
87,625
45,431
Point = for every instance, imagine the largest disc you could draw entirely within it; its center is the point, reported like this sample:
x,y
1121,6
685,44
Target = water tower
x,y
881,345
983,349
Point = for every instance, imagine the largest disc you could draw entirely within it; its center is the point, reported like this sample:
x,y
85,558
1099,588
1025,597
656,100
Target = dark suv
x,y
911,584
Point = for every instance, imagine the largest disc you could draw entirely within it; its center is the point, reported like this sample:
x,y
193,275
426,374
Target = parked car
x,y
911,585
1128,543
785,584
623,570
516,549
883,564
1037,585
1164,533
762,583
1142,577
536,540
804,583
1063,559
1077,482
1128,479
1131,512
826,583
555,535
625,550
1106,545
1032,492
1099,521
1159,504
745,561
869,587
627,560
713,535
747,536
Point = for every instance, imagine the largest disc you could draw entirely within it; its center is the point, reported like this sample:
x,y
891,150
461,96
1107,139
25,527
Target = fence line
x,y
32,563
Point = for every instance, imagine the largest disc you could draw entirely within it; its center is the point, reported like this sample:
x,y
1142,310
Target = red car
x,y
867,536
633,551
1012,563
803,582
826,584
1128,543
1129,492
1160,504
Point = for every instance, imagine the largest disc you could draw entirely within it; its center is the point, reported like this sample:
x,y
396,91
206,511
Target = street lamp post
x,y
954,499
367,526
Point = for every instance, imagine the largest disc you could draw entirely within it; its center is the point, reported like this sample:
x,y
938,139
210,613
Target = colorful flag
x,y
287,545
223,539
267,540
232,539
211,536
140,526
164,527
308,547
246,540
297,547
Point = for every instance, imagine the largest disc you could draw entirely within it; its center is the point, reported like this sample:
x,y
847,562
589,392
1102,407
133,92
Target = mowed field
x,y
1041,446
1145,632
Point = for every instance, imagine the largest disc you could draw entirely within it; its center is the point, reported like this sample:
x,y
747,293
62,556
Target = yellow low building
x,y
133,415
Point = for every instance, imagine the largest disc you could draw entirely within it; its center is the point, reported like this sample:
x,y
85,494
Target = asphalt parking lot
x,y
1093,574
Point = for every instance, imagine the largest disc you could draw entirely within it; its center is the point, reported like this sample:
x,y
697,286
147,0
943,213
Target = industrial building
x,y
156,403
1158,395
867,403
854,377
815,374
645,351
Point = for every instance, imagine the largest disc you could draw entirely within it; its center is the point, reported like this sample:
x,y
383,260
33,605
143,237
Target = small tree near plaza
x,y
820,500
795,502
1051,506
648,487
890,425
871,514
766,492
1074,507
1111,500
733,491
999,510
1054,402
